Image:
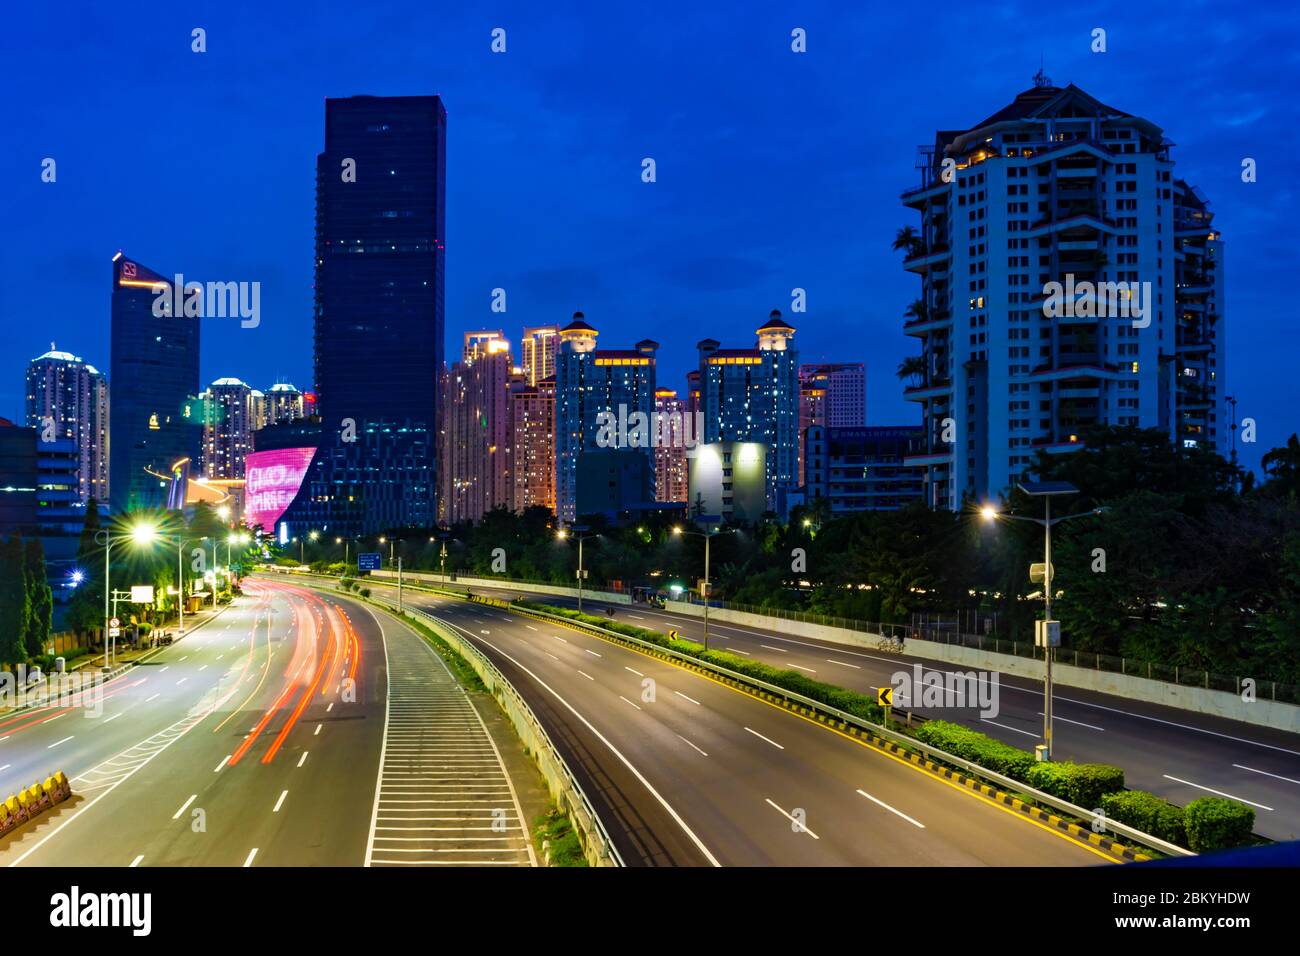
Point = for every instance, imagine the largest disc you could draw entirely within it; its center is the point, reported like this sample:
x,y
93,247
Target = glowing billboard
x,y
271,482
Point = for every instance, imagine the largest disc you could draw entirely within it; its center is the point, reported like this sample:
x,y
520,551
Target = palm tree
x,y
917,310
907,240
913,366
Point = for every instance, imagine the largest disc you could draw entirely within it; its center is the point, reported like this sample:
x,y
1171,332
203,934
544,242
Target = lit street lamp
x,y
706,535
1048,635
140,534
562,534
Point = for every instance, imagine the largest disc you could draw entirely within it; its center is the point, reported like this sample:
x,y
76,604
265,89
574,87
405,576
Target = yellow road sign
x,y
885,696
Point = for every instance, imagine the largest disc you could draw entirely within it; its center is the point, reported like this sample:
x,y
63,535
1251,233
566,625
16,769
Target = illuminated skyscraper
x,y
154,369
68,399
281,403
532,443
229,410
538,350
670,452
752,395
474,461
591,384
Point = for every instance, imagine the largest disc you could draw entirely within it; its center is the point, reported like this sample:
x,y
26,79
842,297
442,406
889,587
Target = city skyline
x,y
542,192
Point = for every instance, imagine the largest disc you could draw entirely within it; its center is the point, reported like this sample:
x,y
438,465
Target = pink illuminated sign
x,y
271,481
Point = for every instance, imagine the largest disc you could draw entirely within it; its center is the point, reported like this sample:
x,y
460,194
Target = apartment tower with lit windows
x,y
1068,279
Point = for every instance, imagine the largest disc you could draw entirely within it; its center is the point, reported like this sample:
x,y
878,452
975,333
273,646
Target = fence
x,y
1263,689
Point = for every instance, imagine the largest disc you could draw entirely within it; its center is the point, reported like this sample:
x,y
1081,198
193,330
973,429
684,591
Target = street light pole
x,y
580,540
442,563
706,590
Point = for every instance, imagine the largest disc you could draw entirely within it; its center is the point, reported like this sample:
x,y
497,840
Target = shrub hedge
x,y
1148,813
1214,823
976,747
1083,784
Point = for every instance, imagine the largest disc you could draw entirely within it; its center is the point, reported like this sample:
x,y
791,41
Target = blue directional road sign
x,y
372,561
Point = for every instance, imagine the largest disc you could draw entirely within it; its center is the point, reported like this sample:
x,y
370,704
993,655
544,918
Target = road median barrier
x,y
30,802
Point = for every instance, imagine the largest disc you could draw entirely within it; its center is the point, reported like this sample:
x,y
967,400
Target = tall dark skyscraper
x,y
156,360
380,187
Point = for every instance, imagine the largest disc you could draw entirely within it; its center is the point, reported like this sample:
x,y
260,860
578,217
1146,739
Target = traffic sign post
x,y
885,698
370,561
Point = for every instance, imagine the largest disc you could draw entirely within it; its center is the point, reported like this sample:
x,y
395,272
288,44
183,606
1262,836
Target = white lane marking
x,y
761,737
779,650
481,631
684,697
592,653
303,759
165,666
279,803
1218,792
586,675
114,717
688,743
330,707
204,667
185,658
530,627
713,860
1237,765
799,826
856,667
181,681
317,731
1067,720
736,650
551,656
6,766
154,697
219,656
626,701
136,862
251,853
634,671
185,806
1006,727
882,803
57,742
558,638
797,667
636,617
224,761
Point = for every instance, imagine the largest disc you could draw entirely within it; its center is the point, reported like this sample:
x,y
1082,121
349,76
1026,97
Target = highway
x,y
1174,753
275,735
687,771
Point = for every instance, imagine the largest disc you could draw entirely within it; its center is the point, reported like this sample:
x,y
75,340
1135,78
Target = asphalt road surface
x,y
1175,753
686,771
259,739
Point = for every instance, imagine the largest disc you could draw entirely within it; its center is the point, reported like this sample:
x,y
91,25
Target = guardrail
x,y
1016,786
565,789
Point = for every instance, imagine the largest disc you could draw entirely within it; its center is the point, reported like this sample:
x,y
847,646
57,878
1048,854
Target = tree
x,y
1282,470
14,603
86,609
40,598
908,241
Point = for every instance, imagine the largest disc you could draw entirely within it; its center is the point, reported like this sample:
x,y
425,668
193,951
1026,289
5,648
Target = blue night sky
x,y
775,170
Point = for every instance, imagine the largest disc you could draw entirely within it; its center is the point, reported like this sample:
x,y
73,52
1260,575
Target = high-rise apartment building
x,y
154,368
532,444
600,397
230,411
1068,279
281,403
832,394
863,469
474,457
752,396
674,432
540,346
68,399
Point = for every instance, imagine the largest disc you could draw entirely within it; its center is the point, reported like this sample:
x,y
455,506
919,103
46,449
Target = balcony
x,y
933,389
935,259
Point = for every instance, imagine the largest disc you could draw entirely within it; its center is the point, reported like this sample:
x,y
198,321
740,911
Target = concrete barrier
x,y
423,577
1218,703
